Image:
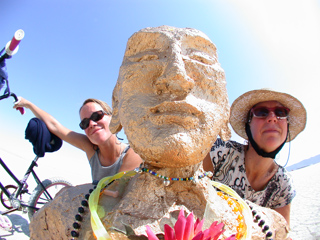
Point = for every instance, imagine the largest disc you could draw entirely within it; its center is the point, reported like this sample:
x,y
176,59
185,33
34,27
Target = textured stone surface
x,y
147,201
278,225
55,220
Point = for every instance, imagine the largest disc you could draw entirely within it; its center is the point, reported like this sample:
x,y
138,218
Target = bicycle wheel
x,y
4,199
40,197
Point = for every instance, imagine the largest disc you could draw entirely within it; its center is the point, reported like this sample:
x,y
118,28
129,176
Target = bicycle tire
x,y
39,197
5,199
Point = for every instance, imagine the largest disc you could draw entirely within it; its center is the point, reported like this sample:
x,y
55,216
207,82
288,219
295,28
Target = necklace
x,y
261,222
79,216
166,180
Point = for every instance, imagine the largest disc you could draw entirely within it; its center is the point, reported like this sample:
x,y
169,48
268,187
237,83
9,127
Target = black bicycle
x,y
12,195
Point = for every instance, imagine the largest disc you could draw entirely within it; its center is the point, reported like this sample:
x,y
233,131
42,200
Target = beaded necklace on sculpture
x,y
166,180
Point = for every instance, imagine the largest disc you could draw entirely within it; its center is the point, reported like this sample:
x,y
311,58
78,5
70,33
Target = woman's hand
x,y
21,103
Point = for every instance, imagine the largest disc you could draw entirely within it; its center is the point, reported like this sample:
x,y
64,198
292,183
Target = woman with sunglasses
x,y
107,155
267,119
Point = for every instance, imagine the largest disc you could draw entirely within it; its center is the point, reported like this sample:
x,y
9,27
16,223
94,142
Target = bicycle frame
x,y
16,203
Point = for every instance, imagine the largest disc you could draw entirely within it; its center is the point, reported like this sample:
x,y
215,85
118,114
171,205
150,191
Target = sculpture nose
x,y
174,79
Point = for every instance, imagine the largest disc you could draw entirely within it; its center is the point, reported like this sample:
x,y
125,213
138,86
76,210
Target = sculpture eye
x,y
146,57
205,59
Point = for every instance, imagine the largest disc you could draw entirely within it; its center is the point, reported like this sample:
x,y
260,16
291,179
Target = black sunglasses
x,y
96,116
263,112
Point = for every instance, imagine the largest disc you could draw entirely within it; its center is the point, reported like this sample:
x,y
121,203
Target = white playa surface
x,y
305,209
305,217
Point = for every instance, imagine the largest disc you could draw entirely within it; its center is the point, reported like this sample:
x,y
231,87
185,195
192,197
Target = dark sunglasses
x,y
263,112
96,116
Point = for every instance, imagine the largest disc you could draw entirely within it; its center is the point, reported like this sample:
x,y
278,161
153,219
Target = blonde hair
x,y
103,104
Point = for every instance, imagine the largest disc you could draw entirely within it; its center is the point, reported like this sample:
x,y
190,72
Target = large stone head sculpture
x,y
171,96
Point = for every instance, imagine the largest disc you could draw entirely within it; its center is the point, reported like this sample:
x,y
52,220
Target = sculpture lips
x,y
175,108
179,113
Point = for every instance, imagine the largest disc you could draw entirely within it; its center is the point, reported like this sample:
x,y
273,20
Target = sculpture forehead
x,y
165,37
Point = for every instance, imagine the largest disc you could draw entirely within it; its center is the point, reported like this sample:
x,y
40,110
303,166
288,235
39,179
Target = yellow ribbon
x,y
245,210
97,211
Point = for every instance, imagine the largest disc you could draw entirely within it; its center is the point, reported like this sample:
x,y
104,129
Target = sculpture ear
x,y
115,124
225,132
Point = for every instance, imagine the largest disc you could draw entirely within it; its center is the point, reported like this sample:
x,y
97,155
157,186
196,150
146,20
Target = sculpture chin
x,y
177,150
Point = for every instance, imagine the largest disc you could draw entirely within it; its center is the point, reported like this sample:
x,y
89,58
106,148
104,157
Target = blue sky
x,y
72,50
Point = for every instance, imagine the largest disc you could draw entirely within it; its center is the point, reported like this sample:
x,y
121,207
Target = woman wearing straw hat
x,y
267,119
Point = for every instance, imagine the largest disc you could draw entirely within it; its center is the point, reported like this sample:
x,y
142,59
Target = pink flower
x,y
186,229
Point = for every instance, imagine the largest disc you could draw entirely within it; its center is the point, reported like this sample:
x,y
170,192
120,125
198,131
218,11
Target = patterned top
x,y
229,168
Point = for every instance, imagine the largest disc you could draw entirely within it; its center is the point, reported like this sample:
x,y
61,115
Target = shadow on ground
x,y
20,228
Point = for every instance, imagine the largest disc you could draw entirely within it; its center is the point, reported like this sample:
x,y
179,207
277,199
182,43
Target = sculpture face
x,y
170,96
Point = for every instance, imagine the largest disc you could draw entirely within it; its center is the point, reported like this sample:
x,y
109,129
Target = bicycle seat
x,y
41,138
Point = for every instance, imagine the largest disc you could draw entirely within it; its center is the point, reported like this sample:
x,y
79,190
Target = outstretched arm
x,y
76,139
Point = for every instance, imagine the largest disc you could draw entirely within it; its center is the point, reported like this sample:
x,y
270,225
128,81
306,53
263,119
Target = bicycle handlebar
x,y
10,49
12,46
16,99
10,95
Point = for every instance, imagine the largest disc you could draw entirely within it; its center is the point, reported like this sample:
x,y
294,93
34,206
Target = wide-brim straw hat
x,y
243,104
